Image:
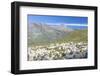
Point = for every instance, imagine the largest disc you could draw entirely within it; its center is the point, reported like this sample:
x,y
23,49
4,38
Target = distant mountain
x,y
43,33
62,27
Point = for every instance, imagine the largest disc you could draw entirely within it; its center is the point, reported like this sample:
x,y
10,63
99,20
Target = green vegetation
x,y
74,36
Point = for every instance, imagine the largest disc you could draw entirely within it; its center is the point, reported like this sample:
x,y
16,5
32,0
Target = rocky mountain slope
x,y
42,33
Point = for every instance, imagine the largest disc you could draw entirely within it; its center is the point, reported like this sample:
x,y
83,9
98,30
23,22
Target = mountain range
x,y
43,33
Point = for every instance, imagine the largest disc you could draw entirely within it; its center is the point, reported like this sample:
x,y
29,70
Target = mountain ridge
x,y
39,32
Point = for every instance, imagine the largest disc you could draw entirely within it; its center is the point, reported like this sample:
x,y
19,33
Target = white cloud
x,y
69,24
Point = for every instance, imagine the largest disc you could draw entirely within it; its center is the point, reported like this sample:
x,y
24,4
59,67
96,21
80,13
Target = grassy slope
x,y
76,36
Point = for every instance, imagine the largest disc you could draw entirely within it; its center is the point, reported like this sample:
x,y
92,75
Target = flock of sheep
x,y
58,51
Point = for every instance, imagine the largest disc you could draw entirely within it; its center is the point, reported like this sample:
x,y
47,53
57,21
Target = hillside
x,y
75,36
39,33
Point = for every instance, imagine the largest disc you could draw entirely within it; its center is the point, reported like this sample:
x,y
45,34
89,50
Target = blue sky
x,y
69,20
